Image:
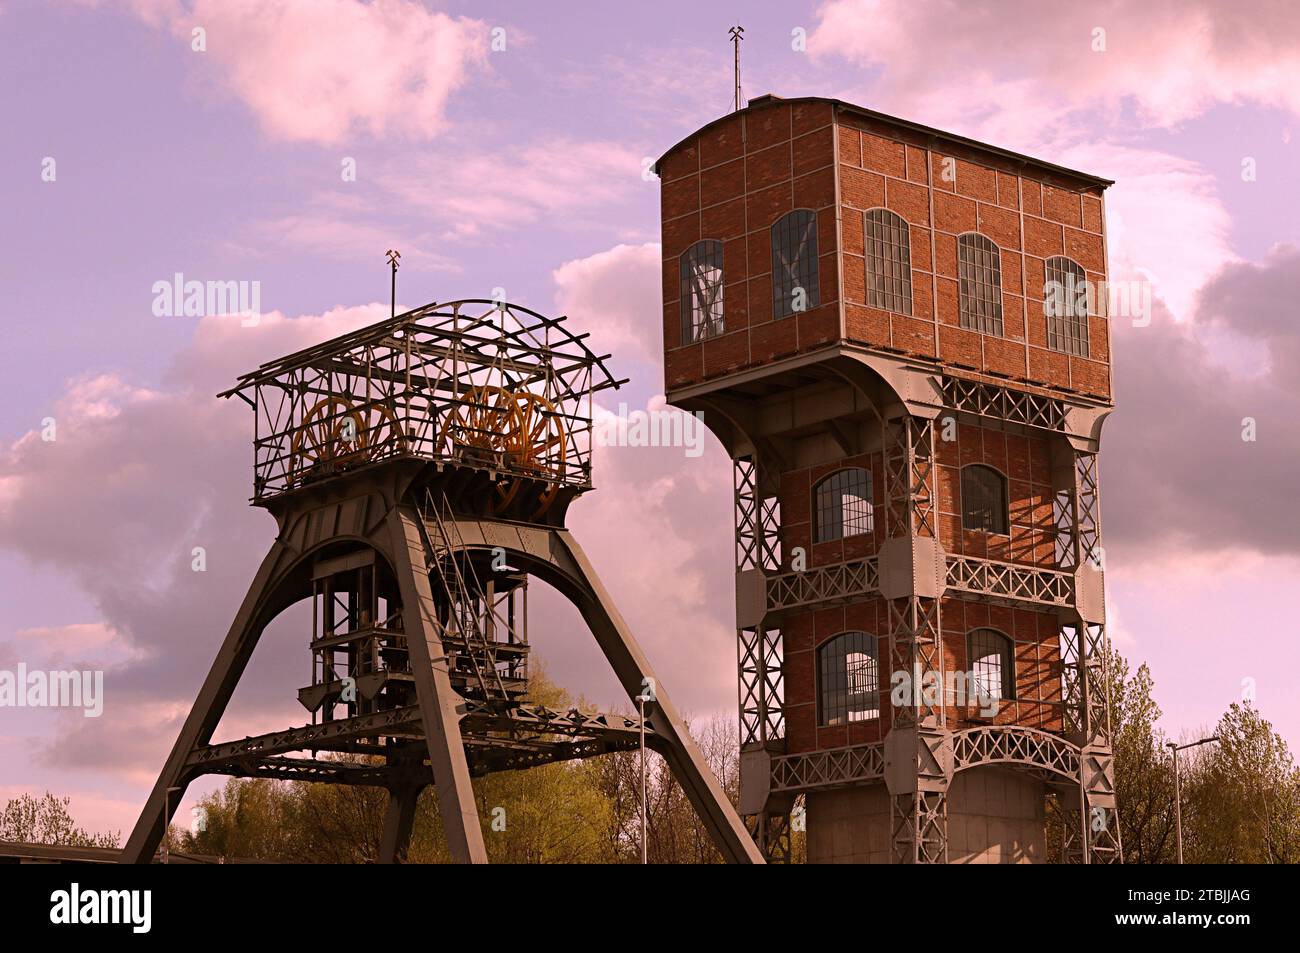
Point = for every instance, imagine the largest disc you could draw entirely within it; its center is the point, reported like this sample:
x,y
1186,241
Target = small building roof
x,y
937,135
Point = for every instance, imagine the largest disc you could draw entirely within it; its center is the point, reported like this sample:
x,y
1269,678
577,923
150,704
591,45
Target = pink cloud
x,y
476,191
615,294
324,70
1165,219
1168,59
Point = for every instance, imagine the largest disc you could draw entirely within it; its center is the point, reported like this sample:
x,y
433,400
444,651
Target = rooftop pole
x,y
737,32
393,257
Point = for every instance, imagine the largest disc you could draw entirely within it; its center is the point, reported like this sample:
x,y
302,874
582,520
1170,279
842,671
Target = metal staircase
x,y
483,668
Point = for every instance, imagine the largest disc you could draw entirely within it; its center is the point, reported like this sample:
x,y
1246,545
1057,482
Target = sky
x,y
505,146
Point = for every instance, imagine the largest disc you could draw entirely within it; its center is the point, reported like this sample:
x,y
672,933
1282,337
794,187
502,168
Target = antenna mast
x,y
393,256
737,34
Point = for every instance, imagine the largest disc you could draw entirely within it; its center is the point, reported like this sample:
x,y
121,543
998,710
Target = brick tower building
x,y
891,329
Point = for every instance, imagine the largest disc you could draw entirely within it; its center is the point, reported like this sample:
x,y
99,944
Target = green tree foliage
x,y
1240,798
554,813
1240,801
47,820
1144,783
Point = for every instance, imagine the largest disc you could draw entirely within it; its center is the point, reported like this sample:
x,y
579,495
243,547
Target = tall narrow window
x,y
794,263
983,499
992,663
843,505
701,274
850,679
979,279
1066,304
889,261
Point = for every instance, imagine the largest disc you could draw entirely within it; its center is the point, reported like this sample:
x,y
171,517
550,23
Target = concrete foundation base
x,y
995,816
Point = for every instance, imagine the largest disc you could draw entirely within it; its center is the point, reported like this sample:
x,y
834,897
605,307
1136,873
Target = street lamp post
x,y
640,701
1178,798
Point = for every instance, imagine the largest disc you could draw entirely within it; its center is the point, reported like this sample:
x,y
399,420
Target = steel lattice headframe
x,y
477,383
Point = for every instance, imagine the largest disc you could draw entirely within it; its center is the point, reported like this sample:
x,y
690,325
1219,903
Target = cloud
x,y
459,197
658,529
616,295
323,70
1166,60
1177,474
133,481
1165,220
472,191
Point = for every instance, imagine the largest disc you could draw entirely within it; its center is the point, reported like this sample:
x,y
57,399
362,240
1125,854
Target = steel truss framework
x,y
1077,760
1044,754
419,636
1001,403
762,717
475,382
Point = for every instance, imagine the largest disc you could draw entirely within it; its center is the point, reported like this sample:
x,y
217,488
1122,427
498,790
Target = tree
x,y
1144,789
47,820
553,813
1144,785
1240,798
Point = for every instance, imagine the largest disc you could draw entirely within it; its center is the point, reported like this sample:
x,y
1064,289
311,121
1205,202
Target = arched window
x,y
701,274
1066,304
979,284
843,505
992,663
983,499
889,261
794,263
850,679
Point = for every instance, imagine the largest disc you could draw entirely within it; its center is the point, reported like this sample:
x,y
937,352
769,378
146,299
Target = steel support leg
x,y
634,673
440,705
208,708
399,819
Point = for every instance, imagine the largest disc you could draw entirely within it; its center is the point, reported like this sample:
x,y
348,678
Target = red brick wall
x,y
1024,460
732,183
735,179
796,496
1029,219
1026,464
1037,666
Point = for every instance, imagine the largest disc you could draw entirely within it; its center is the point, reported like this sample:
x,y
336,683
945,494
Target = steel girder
x,y
761,686
758,519
1040,753
918,748
759,649
822,586
994,581
396,722
1000,403
1085,678
279,768
771,832
518,727
829,768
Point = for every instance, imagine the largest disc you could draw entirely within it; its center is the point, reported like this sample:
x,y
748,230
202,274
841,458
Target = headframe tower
x,y
893,330
419,471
